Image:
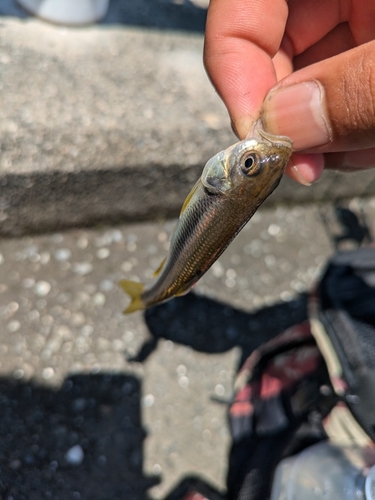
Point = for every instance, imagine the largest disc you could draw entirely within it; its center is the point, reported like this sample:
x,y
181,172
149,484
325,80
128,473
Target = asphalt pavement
x,y
98,405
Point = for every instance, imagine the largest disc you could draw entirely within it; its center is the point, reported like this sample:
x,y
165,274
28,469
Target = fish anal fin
x,y
160,267
184,289
134,290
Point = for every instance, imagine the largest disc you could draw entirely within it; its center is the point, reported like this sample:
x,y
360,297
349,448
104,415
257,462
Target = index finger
x,y
242,37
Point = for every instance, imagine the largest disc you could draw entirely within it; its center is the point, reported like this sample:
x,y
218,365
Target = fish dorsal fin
x,y
134,290
160,267
189,197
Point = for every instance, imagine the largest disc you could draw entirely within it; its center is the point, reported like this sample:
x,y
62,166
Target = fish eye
x,y
250,164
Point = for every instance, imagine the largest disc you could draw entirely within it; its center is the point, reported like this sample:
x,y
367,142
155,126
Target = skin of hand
x,y
307,68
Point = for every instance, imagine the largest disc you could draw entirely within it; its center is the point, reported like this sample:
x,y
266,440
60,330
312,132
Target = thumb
x,y
328,106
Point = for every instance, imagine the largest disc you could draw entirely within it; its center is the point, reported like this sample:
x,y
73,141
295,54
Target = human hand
x,y
307,67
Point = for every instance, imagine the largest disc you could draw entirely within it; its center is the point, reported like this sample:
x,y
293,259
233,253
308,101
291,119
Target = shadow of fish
x,y
234,183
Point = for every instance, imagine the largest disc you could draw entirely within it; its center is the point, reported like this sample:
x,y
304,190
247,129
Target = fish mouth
x,y
279,140
257,131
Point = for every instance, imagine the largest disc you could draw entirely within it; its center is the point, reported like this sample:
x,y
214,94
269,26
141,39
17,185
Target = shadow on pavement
x,y
209,326
158,14
354,230
193,488
85,440
38,426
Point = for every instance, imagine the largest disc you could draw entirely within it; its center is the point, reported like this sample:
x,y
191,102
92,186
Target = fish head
x,y
251,167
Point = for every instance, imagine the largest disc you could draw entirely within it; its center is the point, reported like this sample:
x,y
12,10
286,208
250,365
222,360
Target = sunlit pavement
x,y
63,330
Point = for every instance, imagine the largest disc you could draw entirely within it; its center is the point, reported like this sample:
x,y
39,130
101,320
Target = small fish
x,y
232,186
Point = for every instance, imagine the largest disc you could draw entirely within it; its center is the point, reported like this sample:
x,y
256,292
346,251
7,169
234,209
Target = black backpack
x,y
314,381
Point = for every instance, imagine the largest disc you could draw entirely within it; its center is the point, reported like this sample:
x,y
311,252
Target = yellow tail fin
x,y
134,290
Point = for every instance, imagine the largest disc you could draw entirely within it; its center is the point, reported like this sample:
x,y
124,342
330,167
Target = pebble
x,y
75,455
14,326
99,299
48,373
219,390
82,268
218,270
42,288
181,370
63,254
148,400
103,253
183,381
156,469
106,285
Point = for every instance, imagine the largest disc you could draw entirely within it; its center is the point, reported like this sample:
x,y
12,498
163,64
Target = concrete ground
x,y
91,117
79,419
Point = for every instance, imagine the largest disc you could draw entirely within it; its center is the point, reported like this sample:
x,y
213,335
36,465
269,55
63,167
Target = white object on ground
x,y
75,455
67,11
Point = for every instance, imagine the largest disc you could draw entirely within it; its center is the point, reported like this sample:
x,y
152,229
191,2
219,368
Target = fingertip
x,y
240,40
242,125
299,112
305,168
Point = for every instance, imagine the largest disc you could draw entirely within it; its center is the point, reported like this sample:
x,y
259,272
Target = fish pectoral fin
x,y
160,267
134,290
189,196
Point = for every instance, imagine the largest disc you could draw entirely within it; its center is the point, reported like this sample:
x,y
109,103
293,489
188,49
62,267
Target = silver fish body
x,y
234,183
